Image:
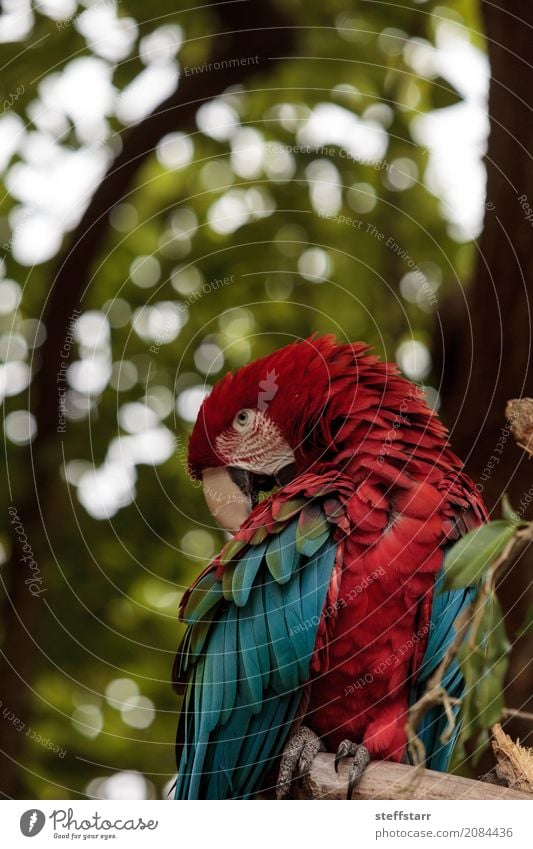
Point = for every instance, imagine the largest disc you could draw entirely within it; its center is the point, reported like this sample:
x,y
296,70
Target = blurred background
x,y
183,190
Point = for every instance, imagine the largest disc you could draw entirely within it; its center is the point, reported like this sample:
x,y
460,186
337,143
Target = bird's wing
x,y
467,512
446,607
253,619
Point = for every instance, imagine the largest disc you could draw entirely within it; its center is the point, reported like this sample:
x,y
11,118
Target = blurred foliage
x,y
477,559
233,241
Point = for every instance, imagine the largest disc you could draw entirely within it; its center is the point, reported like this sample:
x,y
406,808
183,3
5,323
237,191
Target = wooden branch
x,y
386,780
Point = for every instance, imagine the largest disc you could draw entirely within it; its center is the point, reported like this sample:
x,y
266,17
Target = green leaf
x,y
481,744
468,560
527,625
483,659
508,512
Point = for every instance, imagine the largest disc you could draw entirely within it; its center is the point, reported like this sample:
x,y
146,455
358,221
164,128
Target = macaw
x,y
324,615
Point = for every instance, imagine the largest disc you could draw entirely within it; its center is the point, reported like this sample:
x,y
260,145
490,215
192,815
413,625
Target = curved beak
x,y
231,493
226,501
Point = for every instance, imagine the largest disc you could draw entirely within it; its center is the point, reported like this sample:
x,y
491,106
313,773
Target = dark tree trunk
x,y
487,335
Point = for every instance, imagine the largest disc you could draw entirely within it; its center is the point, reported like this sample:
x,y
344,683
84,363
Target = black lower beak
x,y
253,484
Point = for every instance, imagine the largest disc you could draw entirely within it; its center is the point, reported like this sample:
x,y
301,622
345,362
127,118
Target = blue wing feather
x,y
245,574
284,660
446,607
295,622
247,684
230,681
250,677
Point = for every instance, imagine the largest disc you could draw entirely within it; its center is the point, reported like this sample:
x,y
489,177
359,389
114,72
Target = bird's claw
x,y
297,758
361,759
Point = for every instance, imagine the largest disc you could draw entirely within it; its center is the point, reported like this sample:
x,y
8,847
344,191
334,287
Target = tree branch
x,y
387,780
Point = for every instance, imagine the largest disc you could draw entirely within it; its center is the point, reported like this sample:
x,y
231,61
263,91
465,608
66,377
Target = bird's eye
x,y
243,420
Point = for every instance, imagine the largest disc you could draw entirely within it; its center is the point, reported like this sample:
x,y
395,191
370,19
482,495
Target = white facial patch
x,y
262,449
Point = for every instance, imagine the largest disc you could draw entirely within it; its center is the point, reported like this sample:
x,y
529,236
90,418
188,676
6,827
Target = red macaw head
x,y
263,425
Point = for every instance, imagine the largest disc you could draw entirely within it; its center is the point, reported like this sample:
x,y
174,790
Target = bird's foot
x,y
297,758
360,761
